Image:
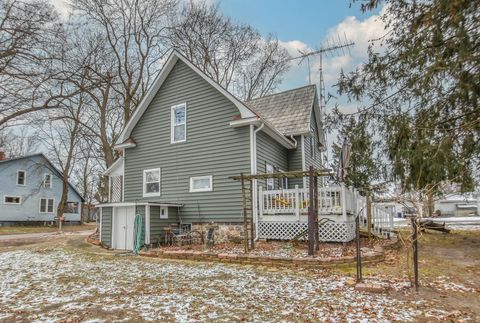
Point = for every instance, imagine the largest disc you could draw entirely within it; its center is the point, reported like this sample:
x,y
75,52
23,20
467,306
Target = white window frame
x,y
14,196
196,190
172,123
145,194
46,205
24,177
270,181
44,180
163,212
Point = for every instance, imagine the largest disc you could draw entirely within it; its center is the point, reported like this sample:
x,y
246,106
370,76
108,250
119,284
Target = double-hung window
x,y
179,123
151,182
47,180
201,184
21,177
46,205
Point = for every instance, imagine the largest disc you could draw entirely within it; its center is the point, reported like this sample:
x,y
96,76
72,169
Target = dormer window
x,y
21,177
179,123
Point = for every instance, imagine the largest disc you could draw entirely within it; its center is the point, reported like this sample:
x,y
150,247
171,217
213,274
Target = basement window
x,y
201,184
179,123
46,205
12,200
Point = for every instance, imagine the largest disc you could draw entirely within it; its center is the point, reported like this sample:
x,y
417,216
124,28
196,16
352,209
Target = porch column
x,y
297,203
147,224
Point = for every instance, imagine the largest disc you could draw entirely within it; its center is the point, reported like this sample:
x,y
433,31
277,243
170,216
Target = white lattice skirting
x,y
331,232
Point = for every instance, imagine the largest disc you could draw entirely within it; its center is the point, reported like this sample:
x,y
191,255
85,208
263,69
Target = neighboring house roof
x,y
289,111
55,169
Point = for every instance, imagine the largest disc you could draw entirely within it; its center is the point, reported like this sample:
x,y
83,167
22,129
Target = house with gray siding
x,y
31,189
186,139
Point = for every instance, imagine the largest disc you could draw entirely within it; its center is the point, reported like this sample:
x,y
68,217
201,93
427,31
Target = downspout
x,y
255,192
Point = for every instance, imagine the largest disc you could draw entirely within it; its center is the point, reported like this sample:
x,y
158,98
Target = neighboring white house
x,y
31,189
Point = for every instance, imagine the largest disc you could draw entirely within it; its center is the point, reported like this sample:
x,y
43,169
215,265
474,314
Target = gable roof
x,y
174,57
289,112
55,169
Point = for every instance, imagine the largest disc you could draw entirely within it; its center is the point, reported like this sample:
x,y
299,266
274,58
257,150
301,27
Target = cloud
x,y
61,6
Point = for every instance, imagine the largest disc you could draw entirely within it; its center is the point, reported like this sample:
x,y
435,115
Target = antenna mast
x,y
335,48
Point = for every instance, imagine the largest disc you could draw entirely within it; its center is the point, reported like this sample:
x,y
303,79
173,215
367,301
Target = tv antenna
x,y
331,47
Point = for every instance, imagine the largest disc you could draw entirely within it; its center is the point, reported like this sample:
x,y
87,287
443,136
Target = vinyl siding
x,y
106,237
36,166
309,160
295,163
315,161
270,152
212,148
158,225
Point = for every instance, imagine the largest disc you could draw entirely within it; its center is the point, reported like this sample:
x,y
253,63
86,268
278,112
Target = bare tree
x,y
19,142
31,39
135,32
234,55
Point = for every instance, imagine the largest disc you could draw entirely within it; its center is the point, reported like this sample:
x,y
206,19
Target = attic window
x,y
47,180
21,177
179,123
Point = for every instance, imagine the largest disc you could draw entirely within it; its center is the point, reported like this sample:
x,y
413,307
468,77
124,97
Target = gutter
x,y
255,192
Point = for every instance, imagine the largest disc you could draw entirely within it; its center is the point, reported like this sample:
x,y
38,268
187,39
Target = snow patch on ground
x,y
56,284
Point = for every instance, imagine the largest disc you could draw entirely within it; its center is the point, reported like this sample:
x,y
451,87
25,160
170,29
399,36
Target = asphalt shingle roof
x,y
289,111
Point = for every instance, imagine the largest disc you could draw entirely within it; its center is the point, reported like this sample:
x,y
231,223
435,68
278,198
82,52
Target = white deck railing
x,y
331,200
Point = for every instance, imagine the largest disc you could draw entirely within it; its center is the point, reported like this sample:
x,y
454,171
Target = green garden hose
x,y
139,239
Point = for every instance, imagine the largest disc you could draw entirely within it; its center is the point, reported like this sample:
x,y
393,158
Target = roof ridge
x,y
282,92
21,157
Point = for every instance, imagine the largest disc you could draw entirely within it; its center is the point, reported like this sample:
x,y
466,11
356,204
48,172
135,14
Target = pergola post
x,y
244,206
311,214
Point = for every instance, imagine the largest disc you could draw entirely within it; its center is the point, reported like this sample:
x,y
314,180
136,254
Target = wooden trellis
x,y
312,174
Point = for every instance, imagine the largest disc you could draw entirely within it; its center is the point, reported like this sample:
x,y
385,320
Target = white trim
x,y
113,230
14,196
196,190
245,122
123,175
24,177
46,205
125,145
113,166
145,194
139,203
172,123
252,150
51,180
303,160
267,128
147,224
245,112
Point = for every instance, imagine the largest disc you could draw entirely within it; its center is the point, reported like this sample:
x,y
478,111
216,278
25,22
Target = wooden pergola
x,y
312,174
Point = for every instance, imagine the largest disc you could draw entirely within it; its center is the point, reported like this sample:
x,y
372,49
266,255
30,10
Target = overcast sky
x,y
306,25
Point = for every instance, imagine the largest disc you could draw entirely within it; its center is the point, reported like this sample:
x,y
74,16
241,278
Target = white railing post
x,y
343,200
297,203
260,201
